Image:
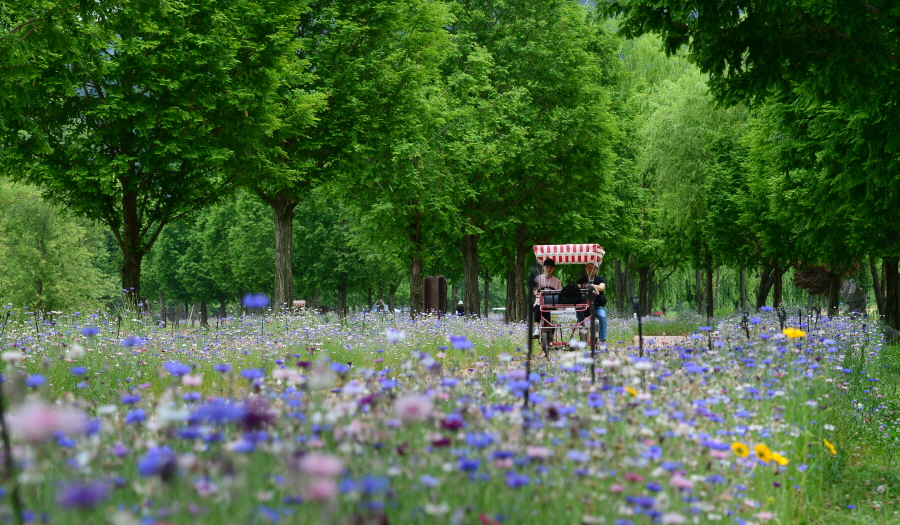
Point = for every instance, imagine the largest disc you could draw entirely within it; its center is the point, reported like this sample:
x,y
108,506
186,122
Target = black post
x,y
530,305
745,324
637,309
593,336
118,325
782,316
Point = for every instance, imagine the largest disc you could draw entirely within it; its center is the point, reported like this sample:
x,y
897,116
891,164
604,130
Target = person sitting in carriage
x,y
592,280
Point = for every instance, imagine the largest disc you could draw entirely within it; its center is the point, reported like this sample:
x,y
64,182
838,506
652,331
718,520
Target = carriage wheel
x,y
545,342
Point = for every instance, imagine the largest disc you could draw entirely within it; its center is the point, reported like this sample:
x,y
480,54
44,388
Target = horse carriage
x,y
556,327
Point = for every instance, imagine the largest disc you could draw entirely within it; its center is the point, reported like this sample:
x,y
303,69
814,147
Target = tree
x,y
136,113
47,257
369,59
834,51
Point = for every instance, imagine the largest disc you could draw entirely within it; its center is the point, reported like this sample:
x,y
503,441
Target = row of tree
x,y
395,138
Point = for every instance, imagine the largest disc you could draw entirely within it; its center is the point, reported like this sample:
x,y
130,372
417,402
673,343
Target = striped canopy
x,y
570,253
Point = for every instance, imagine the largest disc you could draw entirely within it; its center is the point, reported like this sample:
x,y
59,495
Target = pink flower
x,y
615,488
537,452
37,421
415,407
316,464
191,380
764,516
633,477
672,518
321,489
720,454
681,482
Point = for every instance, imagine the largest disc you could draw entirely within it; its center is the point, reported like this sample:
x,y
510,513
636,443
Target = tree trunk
x,y
718,285
342,302
620,287
392,292
743,287
131,278
698,295
892,292
162,308
470,272
644,289
487,295
521,311
132,250
509,314
766,279
284,248
710,301
204,315
834,294
876,287
416,287
222,313
778,286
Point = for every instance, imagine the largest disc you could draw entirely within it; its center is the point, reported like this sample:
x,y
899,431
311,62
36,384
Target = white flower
x,y
12,356
76,351
395,336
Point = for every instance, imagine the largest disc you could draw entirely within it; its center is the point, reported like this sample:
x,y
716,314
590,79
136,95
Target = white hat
x,y
460,302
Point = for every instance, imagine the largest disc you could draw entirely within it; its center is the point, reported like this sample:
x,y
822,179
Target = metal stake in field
x,y
532,279
590,297
637,309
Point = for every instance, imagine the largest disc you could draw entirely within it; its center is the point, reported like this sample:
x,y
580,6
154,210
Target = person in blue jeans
x,y
591,279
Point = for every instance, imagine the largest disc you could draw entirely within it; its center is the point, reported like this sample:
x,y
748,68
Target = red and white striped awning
x,y
570,253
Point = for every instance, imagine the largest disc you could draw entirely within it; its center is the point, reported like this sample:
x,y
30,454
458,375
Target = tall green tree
x,y
136,113
370,59
48,258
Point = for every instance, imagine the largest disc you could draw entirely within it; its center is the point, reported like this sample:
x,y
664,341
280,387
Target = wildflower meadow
x,y
286,418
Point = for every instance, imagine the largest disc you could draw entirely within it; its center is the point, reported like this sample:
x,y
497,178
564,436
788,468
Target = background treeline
x,y
340,151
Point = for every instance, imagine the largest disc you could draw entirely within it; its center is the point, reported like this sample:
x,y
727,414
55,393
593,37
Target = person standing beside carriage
x,y
545,283
598,283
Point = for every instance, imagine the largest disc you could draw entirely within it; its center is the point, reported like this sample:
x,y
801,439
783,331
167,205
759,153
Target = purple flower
x,y
132,340
766,308
222,368
176,369
252,373
460,342
135,416
515,481
217,412
90,331
755,320
130,399
35,380
159,461
258,300
82,495
78,370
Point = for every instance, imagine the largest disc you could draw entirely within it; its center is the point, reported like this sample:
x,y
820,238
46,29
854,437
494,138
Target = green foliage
x,y
49,259
136,113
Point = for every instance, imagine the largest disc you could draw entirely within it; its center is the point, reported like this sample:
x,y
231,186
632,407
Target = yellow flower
x,y
740,449
793,332
763,452
830,447
631,390
778,458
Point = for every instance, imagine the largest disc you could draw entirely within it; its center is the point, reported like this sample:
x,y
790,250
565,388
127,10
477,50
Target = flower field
x,y
302,419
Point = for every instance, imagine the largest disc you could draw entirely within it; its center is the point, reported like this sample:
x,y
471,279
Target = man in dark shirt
x,y
599,307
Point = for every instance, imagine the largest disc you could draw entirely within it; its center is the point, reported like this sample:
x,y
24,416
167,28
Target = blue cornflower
x,y
515,481
766,308
223,368
219,412
35,380
158,461
176,369
340,368
460,342
755,320
135,416
78,370
90,331
429,481
132,340
82,495
130,399
577,456
468,465
258,300
479,439
252,373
